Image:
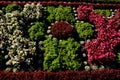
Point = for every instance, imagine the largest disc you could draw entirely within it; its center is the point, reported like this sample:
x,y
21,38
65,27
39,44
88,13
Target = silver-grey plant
x,y
20,50
32,11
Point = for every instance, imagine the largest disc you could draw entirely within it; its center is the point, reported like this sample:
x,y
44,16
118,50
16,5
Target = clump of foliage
x,y
13,7
20,55
62,30
118,57
13,21
84,30
32,11
20,50
104,12
36,32
60,13
117,51
3,41
61,55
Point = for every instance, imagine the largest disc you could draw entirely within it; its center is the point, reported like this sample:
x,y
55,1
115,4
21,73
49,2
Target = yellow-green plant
x,y
36,32
13,7
84,30
60,13
61,55
104,12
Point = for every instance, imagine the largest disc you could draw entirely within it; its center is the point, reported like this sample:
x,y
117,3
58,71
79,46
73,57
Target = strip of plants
x,y
55,3
106,74
92,1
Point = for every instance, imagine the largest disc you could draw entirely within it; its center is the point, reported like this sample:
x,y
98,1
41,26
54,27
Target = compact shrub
x,y
61,55
60,13
104,12
62,30
13,7
84,30
36,32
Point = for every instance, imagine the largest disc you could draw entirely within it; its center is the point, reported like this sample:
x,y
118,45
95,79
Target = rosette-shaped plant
x,y
36,32
61,55
62,30
84,30
60,13
32,11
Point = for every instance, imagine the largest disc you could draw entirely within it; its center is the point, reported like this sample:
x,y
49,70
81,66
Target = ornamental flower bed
x,y
59,38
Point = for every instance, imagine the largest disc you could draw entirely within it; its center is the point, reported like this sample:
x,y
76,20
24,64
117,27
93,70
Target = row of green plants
x,y
49,38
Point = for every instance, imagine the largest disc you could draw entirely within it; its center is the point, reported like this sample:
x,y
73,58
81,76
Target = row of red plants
x,y
106,74
101,49
54,3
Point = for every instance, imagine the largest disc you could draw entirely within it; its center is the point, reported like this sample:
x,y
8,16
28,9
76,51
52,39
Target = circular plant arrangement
x,y
62,30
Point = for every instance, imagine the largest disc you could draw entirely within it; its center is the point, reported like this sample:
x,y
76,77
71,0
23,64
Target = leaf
x,y
8,69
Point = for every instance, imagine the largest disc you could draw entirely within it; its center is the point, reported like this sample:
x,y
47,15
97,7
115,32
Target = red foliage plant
x,y
62,30
100,50
105,74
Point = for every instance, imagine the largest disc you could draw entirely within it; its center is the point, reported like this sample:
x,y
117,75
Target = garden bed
x,y
65,40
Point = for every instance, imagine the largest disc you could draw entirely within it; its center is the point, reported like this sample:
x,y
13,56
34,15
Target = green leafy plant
x,y
36,32
61,55
118,57
60,13
84,30
104,12
13,7
68,54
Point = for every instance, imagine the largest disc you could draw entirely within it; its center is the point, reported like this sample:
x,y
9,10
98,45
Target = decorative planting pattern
x,y
100,50
58,38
